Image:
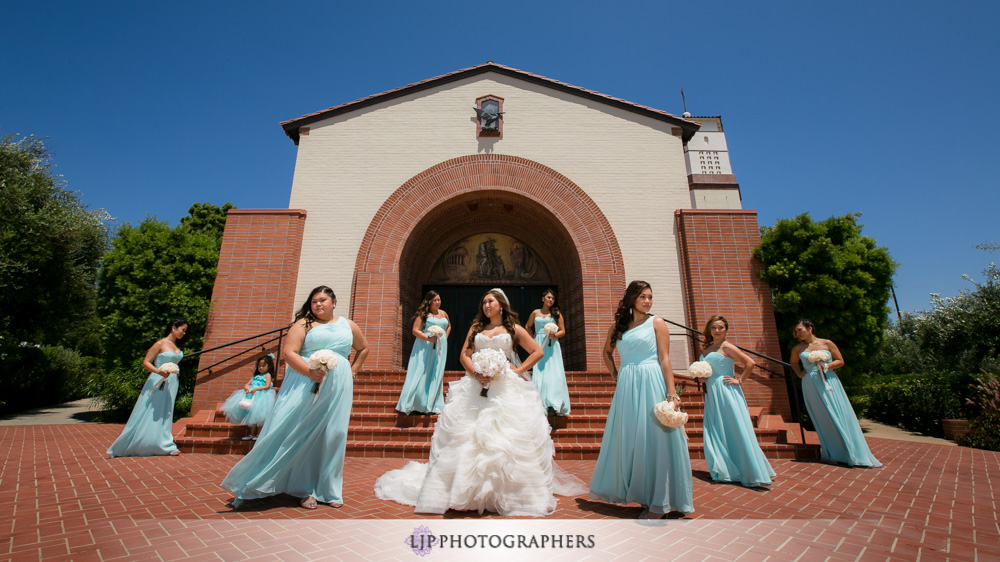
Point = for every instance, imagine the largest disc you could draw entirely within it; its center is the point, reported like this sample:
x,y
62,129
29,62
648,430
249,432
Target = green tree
x,y
50,250
962,333
830,273
154,273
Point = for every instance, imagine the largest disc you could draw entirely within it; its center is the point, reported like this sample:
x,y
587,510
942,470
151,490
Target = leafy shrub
x,y
42,376
984,432
182,408
918,402
116,391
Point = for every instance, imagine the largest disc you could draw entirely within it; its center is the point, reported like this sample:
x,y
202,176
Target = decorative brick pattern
x,y
515,196
253,293
61,498
721,277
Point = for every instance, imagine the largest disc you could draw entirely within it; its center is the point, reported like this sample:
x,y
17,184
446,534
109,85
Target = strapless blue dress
x,y
148,430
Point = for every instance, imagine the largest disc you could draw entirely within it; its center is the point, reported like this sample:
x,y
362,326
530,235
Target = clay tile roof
x,y
291,126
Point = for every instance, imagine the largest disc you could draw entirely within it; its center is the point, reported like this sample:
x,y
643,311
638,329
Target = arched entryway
x,y
480,194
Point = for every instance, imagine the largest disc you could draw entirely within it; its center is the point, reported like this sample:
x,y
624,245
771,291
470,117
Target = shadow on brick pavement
x,y
61,497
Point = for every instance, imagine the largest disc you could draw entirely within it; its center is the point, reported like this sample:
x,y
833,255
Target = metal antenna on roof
x,y
685,104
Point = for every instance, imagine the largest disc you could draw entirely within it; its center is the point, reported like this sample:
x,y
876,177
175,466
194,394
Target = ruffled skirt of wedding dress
x,y
487,454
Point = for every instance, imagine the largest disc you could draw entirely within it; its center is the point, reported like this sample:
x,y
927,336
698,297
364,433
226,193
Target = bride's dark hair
x,y
424,310
623,316
507,316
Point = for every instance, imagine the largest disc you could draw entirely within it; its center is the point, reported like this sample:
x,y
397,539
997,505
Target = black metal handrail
x,y
281,334
696,335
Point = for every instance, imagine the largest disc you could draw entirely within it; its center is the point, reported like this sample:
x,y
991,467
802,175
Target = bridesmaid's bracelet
x,y
674,396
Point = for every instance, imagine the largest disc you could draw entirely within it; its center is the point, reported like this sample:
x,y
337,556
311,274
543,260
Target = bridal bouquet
x,y
169,369
668,415
323,359
437,332
489,363
818,358
551,329
700,369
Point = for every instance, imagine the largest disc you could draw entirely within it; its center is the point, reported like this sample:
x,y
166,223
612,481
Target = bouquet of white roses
x,y
323,359
818,358
169,369
436,332
489,363
700,369
669,415
551,329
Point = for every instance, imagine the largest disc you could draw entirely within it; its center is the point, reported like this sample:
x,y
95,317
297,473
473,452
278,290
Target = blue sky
x,y
883,108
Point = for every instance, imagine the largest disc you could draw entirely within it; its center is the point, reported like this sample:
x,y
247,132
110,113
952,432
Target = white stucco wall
x,y
630,165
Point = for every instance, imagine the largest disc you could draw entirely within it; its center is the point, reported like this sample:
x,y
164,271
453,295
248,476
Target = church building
x,y
495,177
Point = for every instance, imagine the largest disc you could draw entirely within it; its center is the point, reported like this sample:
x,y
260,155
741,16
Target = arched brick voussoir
x,y
403,210
597,269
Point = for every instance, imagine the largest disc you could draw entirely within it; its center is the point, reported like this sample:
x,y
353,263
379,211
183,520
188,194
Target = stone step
x,y
397,386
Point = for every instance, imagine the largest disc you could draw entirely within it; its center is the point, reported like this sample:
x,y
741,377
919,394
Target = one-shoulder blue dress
x,y
642,461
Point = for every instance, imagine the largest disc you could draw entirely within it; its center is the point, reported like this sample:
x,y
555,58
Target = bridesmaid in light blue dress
x,y
301,449
423,390
148,431
641,461
548,374
731,449
840,436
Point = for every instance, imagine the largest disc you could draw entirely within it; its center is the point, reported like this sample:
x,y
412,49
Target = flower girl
x,y
252,405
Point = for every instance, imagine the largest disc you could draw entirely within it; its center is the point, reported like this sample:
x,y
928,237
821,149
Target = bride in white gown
x,y
491,453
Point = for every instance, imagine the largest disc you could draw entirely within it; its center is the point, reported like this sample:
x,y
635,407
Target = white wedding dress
x,y
487,454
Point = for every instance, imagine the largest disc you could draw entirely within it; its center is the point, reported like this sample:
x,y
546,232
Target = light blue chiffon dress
x,y
840,436
548,374
642,461
423,390
731,448
261,404
301,448
148,431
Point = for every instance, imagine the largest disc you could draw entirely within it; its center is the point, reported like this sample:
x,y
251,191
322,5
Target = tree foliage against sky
x,y
832,274
154,273
50,250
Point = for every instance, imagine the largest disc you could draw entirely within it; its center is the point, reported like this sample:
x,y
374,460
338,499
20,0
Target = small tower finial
x,y
685,104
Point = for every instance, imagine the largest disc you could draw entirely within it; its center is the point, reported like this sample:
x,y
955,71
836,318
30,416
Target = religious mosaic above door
x,y
489,258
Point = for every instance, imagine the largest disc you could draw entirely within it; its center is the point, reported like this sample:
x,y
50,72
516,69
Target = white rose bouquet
x,y
550,330
489,363
436,332
668,415
818,358
169,369
700,369
323,359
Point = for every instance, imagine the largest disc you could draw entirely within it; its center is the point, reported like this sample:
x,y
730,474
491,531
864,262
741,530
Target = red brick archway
x,y
486,193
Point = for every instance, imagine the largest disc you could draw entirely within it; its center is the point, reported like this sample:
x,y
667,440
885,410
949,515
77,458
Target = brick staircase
x,y
377,430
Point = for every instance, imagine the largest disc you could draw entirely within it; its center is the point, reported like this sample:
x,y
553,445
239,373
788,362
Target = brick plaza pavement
x,y
61,498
